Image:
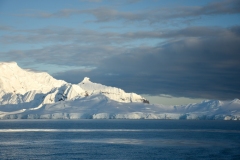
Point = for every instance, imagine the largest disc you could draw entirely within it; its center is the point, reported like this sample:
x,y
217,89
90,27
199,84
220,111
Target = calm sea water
x,y
119,139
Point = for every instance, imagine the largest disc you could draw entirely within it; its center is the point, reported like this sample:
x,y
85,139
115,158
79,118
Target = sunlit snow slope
x,y
27,94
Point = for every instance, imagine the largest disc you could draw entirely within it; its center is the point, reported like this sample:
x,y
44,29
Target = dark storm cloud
x,y
197,67
105,14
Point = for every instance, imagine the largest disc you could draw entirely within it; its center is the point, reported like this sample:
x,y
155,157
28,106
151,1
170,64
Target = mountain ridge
x,y
37,95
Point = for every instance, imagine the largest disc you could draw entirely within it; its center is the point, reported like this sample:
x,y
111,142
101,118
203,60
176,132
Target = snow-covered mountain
x,y
13,79
25,94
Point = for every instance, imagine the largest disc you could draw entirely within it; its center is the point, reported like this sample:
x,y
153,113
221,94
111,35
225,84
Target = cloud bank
x,y
151,51
157,15
197,67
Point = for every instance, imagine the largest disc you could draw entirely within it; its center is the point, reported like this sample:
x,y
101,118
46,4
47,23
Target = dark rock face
x,y
145,101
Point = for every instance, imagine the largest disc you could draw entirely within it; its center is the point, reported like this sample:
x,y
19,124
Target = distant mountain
x,y
26,94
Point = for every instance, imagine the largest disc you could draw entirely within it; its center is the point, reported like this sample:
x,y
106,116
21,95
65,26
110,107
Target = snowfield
x,y
26,94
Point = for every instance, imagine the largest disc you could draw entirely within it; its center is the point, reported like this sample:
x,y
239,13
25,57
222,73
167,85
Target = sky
x,y
169,51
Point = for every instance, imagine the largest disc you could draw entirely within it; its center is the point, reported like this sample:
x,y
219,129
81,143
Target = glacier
x,y
26,94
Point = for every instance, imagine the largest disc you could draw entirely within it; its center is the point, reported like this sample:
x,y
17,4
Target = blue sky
x,y
162,49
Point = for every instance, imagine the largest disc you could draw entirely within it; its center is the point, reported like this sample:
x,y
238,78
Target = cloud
x,y
69,54
196,62
5,28
96,37
50,34
220,7
196,67
91,1
89,48
157,15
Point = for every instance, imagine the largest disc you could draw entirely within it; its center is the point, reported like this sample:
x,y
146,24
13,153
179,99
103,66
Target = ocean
x,y
119,139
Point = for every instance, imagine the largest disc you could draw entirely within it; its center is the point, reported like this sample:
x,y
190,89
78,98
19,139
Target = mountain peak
x,y
10,62
14,79
236,100
86,79
2,64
